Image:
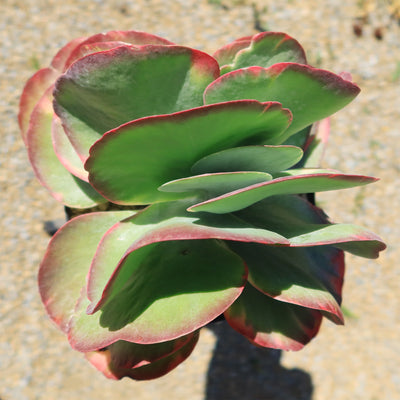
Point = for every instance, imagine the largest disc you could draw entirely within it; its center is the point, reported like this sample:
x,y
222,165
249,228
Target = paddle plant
x,y
210,159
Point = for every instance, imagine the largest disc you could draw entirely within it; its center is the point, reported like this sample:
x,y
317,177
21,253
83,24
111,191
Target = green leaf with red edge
x,y
115,361
249,158
306,183
161,222
106,89
111,39
272,323
192,280
33,91
309,93
306,225
65,152
60,60
63,270
226,54
310,277
121,168
63,186
314,148
217,183
266,49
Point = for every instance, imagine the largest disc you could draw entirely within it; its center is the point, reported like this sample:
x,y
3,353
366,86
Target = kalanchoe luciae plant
x,y
219,150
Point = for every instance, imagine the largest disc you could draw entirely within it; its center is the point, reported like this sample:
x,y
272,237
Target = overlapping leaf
x,y
309,93
268,159
263,49
271,323
65,265
106,89
161,222
62,185
296,184
169,294
124,169
116,361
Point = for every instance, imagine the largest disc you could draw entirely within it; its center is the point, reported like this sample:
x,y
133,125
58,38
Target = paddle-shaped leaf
x,y
169,294
161,222
32,93
306,183
249,158
126,170
66,263
63,186
117,360
65,152
309,277
263,49
215,184
106,89
271,323
306,225
309,93
111,39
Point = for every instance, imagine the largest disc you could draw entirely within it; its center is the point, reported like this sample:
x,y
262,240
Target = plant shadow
x,y
240,370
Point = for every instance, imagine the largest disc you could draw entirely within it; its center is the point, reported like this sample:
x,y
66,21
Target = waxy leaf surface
x,y
65,151
309,277
315,182
115,361
63,186
161,222
173,289
111,39
32,93
271,323
217,183
106,89
66,262
306,225
249,158
130,163
263,49
310,94
266,49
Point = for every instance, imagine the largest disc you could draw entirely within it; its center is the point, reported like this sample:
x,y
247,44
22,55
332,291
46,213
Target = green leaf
x,y
62,185
129,163
106,89
116,360
307,183
306,225
310,94
112,39
266,49
316,144
309,277
34,89
67,260
215,184
161,222
65,152
250,158
271,323
173,289
263,49
227,53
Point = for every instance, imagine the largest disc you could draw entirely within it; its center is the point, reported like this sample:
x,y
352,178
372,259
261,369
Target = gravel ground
x,y
358,361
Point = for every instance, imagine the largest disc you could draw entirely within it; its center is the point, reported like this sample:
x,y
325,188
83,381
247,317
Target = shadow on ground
x,y
240,370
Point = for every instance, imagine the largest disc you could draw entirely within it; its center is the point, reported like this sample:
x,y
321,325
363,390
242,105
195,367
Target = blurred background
x,y
358,361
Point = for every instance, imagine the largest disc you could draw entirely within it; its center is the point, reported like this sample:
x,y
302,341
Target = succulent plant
x,y
211,157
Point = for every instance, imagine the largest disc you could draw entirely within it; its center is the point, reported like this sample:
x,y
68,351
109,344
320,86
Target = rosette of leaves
x,y
218,151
